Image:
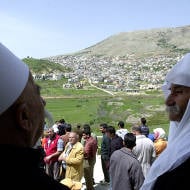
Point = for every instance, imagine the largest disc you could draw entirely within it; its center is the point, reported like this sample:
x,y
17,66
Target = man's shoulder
x,y
122,130
78,145
118,138
176,178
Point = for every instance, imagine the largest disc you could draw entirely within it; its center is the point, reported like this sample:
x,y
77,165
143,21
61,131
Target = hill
x,y
129,60
40,66
123,63
143,43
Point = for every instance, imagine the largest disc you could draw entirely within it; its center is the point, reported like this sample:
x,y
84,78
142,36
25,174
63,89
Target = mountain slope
x,y
143,43
131,60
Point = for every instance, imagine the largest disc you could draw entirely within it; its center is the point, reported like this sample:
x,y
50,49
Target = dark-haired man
x,y
125,169
144,149
144,127
105,152
90,149
121,129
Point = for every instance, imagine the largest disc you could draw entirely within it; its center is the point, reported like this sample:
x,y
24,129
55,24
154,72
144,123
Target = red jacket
x,y
51,148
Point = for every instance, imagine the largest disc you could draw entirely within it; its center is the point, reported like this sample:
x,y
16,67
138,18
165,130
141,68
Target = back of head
x,y
19,100
121,124
78,126
62,121
61,129
68,127
86,126
130,140
111,130
136,128
143,121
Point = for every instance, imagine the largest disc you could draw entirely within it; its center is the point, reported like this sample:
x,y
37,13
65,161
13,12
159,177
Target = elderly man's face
x,y
73,138
177,102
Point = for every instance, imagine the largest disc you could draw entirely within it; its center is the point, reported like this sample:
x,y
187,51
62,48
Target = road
x,y
101,89
98,176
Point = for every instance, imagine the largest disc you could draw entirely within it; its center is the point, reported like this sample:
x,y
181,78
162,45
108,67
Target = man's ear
x,y
22,116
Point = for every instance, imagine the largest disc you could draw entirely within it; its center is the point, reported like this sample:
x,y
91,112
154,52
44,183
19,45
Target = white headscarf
x,y
159,133
178,148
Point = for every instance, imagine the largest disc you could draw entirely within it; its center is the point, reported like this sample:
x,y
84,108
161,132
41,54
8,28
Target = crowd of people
x,y
131,159
70,153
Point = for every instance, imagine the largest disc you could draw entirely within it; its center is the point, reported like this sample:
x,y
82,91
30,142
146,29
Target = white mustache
x,y
48,118
173,109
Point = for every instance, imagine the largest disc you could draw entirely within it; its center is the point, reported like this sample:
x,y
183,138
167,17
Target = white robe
x,y
145,152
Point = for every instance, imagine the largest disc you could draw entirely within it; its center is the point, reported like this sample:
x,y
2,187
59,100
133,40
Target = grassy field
x,y
93,106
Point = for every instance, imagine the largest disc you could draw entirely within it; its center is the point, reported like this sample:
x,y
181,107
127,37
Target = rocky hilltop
x,y
129,61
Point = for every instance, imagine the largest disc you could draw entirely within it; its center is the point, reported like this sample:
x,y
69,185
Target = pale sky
x,y
43,28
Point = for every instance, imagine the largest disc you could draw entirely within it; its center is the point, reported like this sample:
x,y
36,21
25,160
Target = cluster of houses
x,y
127,73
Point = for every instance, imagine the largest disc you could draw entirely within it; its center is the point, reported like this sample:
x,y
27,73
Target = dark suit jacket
x,y
177,179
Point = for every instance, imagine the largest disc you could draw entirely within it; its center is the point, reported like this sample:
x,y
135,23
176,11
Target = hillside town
x,y
127,74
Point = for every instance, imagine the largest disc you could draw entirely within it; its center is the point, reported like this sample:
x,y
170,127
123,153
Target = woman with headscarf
x,y
160,142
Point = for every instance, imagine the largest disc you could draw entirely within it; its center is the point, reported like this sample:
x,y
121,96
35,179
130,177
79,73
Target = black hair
x,y
104,125
121,124
87,131
86,126
143,120
68,127
110,129
78,126
62,121
61,129
130,140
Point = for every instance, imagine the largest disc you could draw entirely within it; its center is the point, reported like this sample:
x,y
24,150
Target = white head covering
x,y
178,75
159,133
177,150
13,78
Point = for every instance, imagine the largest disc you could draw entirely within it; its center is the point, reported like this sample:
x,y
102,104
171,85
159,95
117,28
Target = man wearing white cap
x,y
21,123
171,170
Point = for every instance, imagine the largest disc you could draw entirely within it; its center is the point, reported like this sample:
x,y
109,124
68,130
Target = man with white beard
x,y
171,170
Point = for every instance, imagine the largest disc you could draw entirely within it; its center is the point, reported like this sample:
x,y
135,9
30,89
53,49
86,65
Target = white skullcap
x,y
179,74
13,78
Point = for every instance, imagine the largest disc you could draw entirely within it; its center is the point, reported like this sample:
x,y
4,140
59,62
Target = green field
x,y
93,106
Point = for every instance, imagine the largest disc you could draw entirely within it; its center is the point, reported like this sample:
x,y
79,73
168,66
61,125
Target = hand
x,y
107,164
47,158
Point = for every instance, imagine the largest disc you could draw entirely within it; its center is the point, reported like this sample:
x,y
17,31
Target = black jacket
x,y
177,179
20,169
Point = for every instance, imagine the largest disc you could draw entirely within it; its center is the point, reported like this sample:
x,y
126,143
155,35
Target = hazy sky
x,y
43,28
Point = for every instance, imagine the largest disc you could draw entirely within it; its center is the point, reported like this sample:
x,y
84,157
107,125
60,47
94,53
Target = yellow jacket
x,y
74,162
160,145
